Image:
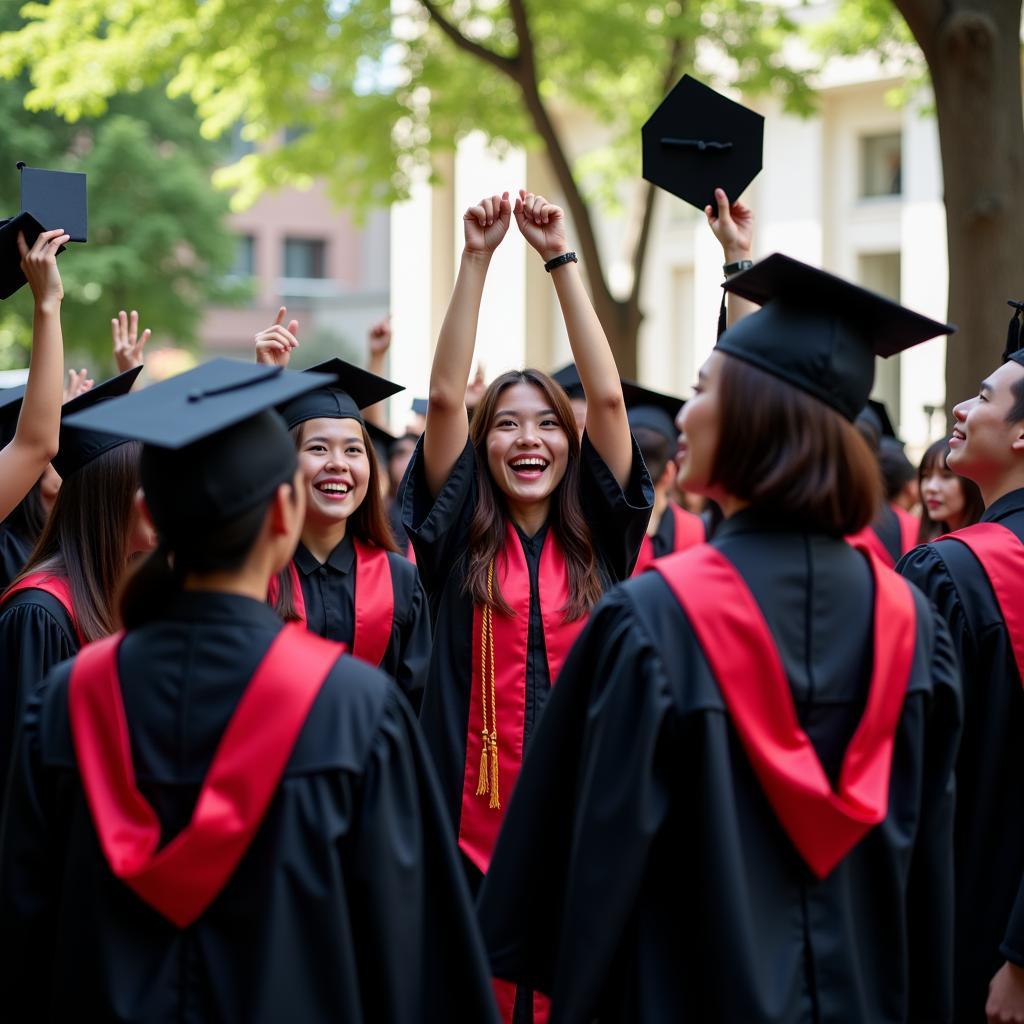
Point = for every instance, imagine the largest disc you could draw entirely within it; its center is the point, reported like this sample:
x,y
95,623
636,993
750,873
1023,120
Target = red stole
x,y
1000,553
374,602
910,526
823,825
689,531
867,538
488,781
182,879
56,586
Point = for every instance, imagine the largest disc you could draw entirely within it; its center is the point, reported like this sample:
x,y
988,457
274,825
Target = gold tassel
x,y
487,781
495,798
483,783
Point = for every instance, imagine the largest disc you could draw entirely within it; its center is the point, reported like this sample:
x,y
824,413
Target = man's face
x,y
986,443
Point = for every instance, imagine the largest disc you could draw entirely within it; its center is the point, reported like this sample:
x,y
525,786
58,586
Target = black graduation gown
x,y
348,906
36,633
642,875
439,529
15,547
395,515
329,593
887,529
989,833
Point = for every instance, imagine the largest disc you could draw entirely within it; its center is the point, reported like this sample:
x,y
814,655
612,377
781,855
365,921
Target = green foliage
x,y
379,92
158,240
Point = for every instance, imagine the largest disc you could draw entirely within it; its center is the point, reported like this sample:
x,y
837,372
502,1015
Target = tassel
x,y
495,798
482,783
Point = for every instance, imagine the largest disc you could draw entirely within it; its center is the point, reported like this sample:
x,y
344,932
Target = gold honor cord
x,y
488,778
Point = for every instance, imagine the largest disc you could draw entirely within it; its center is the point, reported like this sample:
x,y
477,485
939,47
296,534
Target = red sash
x,y
375,602
689,531
182,879
56,586
910,526
482,812
1000,553
869,539
822,824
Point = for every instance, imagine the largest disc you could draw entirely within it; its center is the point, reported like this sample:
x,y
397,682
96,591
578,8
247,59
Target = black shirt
x,y
349,905
329,593
641,873
989,837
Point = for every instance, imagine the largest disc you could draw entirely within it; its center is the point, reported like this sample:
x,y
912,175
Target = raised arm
x,y
733,226
447,422
35,441
543,226
379,342
128,343
274,344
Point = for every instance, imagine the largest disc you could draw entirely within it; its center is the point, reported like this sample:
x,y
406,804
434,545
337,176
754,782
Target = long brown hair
x,y
87,533
974,504
488,527
369,523
791,455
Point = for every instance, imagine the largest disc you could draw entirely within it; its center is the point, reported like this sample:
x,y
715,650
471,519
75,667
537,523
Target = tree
x,y
377,87
972,50
158,239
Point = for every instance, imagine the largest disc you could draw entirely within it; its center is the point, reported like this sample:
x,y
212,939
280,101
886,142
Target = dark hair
x,y
86,535
974,504
656,450
487,528
369,523
29,517
791,455
1017,410
897,469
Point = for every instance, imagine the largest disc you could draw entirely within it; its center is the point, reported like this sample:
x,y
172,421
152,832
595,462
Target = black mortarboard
x,y
352,389
877,415
698,140
1013,348
79,445
214,448
419,406
49,199
569,378
818,332
381,439
651,409
10,410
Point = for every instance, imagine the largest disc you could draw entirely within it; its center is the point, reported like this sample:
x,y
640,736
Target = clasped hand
x,y
541,223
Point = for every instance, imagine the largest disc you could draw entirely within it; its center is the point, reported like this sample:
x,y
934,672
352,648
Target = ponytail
x,y
148,589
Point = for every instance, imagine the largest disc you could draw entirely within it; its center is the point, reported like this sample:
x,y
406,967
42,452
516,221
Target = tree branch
x,y
506,65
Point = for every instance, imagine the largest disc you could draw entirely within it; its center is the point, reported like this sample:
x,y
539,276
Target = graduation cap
x,y
699,140
818,332
351,390
78,445
49,199
1013,349
569,378
10,410
213,446
651,410
381,439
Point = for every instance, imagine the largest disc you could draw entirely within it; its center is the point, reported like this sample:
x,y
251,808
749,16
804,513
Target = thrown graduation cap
x,y
214,447
351,389
79,445
569,378
819,332
699,140
10,410
49,199
651,410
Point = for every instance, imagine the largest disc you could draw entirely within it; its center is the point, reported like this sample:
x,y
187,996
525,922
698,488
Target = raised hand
x,y
39,265
380,337
733,225
274,344
542,224
486,223
128,345
78,383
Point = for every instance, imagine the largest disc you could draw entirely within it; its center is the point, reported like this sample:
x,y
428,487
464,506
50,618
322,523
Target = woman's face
x,y
527,449
698,424
336,468
943,494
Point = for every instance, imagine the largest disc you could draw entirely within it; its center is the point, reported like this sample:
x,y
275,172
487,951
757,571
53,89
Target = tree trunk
x,y
973,55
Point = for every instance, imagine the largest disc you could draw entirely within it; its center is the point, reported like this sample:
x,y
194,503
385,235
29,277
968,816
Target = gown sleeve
x,y
419,954
599,750
618,516
414,642
32,641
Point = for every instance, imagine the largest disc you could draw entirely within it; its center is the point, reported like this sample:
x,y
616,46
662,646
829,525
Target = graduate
x,y
517,527
64,596
348,581
948,502
738,804
652,422
974,579
215,815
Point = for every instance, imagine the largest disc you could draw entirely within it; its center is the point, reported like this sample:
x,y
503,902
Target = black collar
x,y
341,559
208,606
1005,506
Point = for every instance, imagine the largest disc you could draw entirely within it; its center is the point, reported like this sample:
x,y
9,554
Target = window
x,y
245,257
881,165
305,258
